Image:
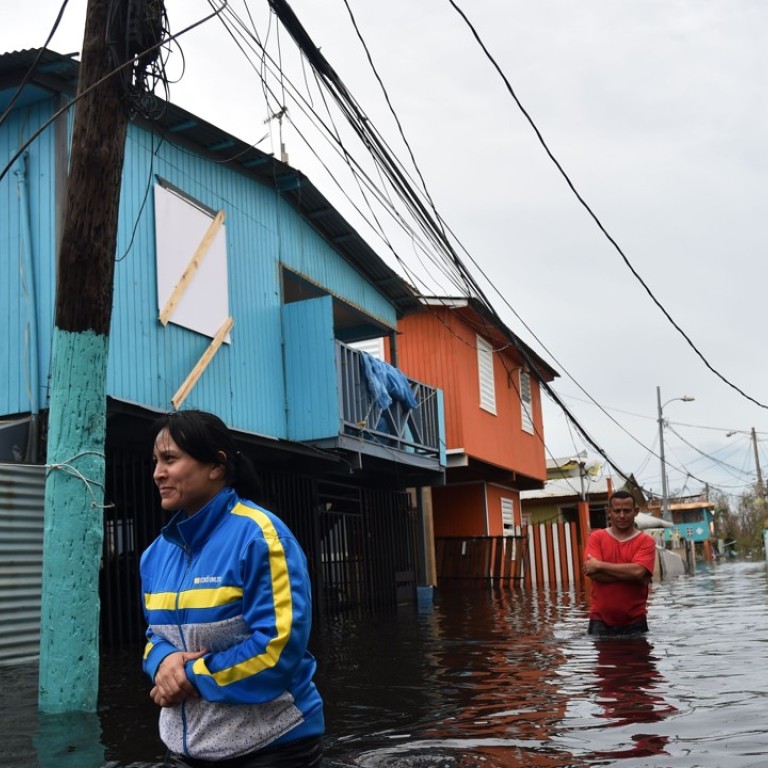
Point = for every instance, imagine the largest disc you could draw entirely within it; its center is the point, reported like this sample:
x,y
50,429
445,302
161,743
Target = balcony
x,y
407,429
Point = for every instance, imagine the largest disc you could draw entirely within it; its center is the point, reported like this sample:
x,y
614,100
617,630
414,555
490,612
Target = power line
x,y
355,167
391,167
264,58
116,71
594,216
31,71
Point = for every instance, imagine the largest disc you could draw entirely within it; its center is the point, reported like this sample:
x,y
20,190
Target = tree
x,y
741,520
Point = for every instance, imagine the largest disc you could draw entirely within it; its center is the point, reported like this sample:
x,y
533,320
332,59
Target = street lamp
x,y
664,498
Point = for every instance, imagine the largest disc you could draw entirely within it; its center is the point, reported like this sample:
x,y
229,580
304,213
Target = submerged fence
x,y
546,554
553,555
499,558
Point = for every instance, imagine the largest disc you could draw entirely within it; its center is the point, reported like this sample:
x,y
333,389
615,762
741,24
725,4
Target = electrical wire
x,y
594,217
153,154
69,105
358,173
718,462
432,228
33,68
441,223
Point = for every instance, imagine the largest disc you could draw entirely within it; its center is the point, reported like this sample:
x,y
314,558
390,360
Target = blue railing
x,y
399,427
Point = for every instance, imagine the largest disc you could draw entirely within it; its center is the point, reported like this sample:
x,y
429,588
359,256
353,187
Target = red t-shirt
x,y
619,603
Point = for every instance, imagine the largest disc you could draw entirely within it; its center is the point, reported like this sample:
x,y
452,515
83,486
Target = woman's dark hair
x,y
204,436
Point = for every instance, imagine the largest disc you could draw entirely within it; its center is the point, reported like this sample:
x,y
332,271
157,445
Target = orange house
x,y
492,403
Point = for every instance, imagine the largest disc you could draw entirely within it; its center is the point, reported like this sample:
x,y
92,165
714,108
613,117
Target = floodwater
x,y
486,679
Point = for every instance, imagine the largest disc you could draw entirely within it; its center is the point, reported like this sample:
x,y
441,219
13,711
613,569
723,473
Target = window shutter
x,y
508,515
526,402
485,375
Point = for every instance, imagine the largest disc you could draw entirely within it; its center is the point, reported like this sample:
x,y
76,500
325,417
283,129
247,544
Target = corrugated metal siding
x,y
22,493
310,370
40,185
425,352
244,383
304,251
438,347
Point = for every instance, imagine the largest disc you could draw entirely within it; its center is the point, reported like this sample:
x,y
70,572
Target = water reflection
x,y
485,679
629,691
478,682
628,675
71,740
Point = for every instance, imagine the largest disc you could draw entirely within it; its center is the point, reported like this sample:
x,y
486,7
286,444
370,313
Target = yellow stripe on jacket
x,y
281,599
192,598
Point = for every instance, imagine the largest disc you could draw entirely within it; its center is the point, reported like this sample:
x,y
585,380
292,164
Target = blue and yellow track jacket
x,y
232,579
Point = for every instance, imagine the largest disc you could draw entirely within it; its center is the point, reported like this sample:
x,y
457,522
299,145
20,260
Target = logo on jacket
x,y
207,580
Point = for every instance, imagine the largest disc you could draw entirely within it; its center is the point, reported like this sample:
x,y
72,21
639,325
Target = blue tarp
x,y
386,383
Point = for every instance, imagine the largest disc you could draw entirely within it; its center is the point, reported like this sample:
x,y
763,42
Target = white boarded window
x,y
181,226
485,375
508,515
526,402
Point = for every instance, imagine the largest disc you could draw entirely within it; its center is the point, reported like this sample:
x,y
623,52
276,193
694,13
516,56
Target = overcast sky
x,y
657,112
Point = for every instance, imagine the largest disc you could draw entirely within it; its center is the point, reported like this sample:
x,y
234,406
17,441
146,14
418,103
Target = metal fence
x,y
398,426
493,558
22,493
359,542
367,548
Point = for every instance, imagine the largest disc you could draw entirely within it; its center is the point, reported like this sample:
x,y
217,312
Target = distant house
x,y
693,520
283,289
494,441
570,480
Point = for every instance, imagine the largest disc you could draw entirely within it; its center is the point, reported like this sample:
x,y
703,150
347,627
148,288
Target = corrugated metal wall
x,y
244,383
310,370
36,187
22,493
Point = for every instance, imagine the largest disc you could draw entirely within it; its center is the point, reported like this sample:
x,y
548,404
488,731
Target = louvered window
x,y
508,515
526,403
485,373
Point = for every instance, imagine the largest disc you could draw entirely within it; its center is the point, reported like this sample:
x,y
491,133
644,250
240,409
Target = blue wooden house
x,y
240,290
693,526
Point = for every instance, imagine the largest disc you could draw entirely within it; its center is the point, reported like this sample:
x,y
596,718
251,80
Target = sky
x,y
657,113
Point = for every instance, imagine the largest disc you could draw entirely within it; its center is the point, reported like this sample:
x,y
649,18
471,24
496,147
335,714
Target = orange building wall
x,y
439,348
459,510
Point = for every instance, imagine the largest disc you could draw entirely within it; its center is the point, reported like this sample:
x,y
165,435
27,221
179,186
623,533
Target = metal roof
x,y
58,73
567,487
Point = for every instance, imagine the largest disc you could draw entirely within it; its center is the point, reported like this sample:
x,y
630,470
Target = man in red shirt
x,y
619,559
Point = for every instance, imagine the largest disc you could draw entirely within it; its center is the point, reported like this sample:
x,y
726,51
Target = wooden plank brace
x,y
202,364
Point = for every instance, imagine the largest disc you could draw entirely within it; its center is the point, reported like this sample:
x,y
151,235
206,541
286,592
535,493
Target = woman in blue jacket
x,y
228,606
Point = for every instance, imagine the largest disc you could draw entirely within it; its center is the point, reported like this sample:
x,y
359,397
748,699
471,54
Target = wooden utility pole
x,y
760,486
74,491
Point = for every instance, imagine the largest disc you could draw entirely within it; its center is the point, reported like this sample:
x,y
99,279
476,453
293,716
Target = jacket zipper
x,y
187,563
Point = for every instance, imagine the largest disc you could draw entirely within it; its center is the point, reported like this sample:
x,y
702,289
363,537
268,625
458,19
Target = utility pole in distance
x,y
760,486
74,490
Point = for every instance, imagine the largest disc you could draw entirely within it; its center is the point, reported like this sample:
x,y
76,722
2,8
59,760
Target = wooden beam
x,y
202,364
191,269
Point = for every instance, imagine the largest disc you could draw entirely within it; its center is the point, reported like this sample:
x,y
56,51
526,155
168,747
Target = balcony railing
x,y
398,426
